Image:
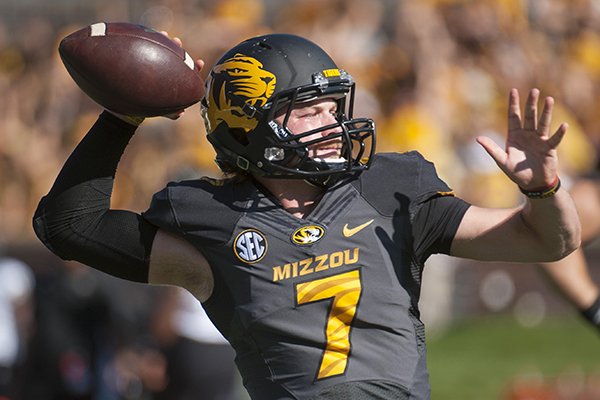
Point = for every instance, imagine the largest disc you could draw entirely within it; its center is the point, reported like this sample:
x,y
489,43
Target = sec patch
x,y
250,246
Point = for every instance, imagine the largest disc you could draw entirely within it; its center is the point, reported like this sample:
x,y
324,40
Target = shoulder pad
x,y
205,208
399,180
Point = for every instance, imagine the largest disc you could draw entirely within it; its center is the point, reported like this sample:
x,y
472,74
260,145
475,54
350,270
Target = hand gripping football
x,y
131,69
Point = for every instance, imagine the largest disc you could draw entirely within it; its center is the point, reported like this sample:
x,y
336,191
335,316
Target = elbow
x,y
569,244
55,226
574,240
572,245
557,256
47,229
62,219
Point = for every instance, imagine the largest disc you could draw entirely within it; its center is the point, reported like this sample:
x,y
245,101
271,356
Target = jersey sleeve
x,y
436,213
435,223
161,213
407,186
201,210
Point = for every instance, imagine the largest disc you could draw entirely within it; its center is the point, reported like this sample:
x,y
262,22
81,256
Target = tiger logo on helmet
x,y
242,77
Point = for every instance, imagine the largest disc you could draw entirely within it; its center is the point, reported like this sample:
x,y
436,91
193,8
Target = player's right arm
x,y
74,219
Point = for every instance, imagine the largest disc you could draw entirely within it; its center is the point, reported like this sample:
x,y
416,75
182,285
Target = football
x,y
131,69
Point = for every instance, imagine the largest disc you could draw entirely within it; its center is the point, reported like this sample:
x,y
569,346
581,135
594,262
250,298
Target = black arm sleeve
x,y
74,219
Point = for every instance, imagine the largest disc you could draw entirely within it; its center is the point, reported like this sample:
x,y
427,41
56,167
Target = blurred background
x,y
434,74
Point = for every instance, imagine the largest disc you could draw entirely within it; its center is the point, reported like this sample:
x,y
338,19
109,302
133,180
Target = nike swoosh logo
x,y
353,231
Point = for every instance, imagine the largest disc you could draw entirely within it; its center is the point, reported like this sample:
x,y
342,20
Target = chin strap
x,y
329,181
320,183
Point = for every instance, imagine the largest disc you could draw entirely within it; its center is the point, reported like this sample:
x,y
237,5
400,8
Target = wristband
x,y
135,121
130,119
544,192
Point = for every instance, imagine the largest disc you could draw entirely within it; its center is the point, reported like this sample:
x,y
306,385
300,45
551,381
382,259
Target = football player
x,y
308,256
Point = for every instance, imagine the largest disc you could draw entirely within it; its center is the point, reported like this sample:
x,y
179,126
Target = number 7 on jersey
x,y
344,290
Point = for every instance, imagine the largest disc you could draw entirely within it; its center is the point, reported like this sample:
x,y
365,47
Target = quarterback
x,y
308,254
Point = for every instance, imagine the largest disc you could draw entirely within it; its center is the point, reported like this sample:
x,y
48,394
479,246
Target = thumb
x,y
495,151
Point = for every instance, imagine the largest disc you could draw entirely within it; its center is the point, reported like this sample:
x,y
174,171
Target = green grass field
x,y
478,359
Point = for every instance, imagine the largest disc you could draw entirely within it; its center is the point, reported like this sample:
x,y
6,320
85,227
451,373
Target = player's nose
x,y
332,121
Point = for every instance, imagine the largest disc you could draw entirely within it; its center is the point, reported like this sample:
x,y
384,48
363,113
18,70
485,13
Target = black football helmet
x,y
270,74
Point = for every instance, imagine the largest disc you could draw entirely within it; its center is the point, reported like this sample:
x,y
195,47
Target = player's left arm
x,y
546,227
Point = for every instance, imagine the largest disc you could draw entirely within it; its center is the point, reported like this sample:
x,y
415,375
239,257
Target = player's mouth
x,y
330,151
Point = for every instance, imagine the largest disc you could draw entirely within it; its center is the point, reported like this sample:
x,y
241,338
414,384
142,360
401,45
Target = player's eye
x,y
304,113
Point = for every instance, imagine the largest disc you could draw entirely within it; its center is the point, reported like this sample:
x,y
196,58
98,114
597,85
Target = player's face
x,y
312,115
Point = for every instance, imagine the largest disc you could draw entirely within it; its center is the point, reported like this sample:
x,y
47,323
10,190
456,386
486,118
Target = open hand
x,y
529,158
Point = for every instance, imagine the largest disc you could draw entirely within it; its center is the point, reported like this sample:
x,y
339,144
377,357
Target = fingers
x,y
514,111
175,39
495,151
544,126
558,136
530,121
200,64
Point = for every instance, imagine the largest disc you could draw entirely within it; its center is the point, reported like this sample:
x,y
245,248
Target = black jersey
x,y
326,306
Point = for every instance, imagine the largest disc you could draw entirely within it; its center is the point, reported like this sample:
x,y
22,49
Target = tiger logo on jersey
x,y
250,246
245,78
308,234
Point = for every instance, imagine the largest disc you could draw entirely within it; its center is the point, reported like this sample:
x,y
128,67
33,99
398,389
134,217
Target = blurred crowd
x,y
68,332
434,74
